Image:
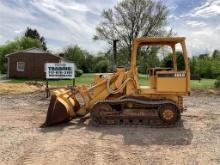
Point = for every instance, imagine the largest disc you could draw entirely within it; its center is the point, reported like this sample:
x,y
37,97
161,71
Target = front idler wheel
x,y
169,113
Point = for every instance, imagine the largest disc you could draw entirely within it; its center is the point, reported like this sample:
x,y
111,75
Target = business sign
x,y
60,70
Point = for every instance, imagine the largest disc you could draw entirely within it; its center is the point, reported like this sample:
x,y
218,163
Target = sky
x,y
69,22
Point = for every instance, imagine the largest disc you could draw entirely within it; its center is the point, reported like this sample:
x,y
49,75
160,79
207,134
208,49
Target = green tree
x,y
89,63
193,62
130,19
121,58
167,61
148,58
26,42
216,63
75,54
102,66
216,54
34,34
203,65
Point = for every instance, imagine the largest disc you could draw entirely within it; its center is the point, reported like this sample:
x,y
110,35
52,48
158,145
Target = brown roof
x,y
32,51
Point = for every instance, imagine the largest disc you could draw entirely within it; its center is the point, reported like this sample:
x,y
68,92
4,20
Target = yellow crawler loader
x,y
118,98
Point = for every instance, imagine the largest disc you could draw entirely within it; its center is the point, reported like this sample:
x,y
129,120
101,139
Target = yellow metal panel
x,y
121,76
168,84
152,81
146,90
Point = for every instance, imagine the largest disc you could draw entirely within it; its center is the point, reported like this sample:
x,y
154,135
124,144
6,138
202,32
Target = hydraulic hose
x,y
110,90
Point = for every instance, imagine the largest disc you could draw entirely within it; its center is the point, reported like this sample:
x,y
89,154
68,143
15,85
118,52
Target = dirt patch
x,y
19,88
22,141
205,92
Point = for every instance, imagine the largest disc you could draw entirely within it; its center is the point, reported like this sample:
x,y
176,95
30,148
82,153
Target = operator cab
x,y
166,79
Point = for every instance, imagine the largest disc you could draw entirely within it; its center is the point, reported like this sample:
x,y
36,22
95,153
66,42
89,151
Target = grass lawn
x,y
2,76
87,78
202,84
143,79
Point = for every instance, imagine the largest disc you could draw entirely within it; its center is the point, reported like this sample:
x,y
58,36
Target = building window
x,y
20,66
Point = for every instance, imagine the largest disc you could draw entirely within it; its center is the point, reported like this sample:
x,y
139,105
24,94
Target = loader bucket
x,y
61,109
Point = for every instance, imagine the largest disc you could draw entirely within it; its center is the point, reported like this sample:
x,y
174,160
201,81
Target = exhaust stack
x,y
114,61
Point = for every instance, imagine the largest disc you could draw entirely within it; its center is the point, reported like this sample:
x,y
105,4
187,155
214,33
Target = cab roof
x,y
158,40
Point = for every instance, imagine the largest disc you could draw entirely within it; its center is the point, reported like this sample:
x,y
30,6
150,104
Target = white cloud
x,y
69,22
62,23
217,28
18,12
201,27
74,22
209,9
200,40
19,31
196,23
173,17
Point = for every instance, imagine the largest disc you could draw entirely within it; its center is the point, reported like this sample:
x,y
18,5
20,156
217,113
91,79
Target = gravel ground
x,y
22,141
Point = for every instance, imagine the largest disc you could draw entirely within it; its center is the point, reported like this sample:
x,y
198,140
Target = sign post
x,y
59,71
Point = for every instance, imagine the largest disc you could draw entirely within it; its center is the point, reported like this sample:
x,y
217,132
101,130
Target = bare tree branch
x,y
131,19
